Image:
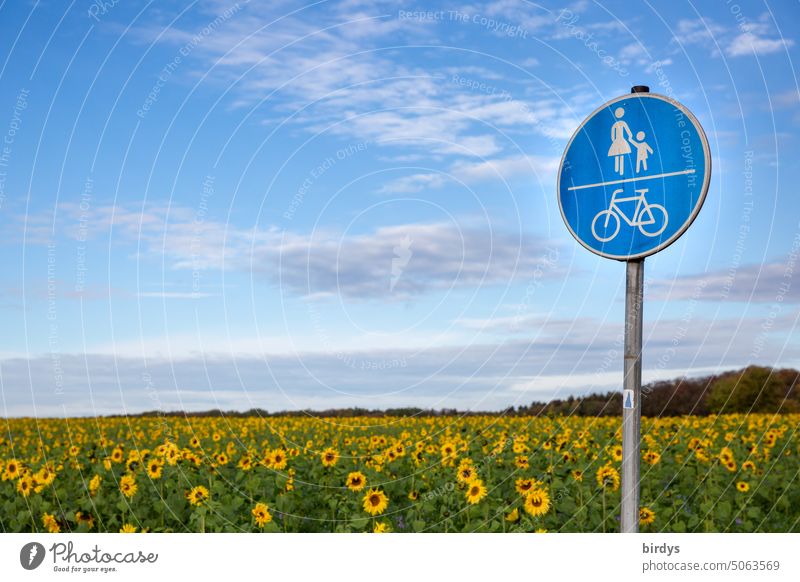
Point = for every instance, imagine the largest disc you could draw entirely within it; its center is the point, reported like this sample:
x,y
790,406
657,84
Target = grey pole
x,y
632,387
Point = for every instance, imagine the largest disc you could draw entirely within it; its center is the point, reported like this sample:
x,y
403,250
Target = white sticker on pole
x,y
627,399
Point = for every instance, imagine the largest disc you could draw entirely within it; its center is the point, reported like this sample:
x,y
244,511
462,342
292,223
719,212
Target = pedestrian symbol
x,y
634,176
627,399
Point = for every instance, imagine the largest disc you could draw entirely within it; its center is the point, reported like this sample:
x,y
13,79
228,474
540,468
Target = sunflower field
x,y
735,473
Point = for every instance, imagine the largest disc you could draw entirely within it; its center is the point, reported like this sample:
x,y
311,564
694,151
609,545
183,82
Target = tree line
x,y
752,389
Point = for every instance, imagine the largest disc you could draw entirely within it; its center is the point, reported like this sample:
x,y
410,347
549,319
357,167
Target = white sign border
x,y
704,187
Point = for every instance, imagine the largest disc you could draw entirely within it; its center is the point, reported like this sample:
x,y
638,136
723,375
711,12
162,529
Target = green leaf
x,y
23,516
272,527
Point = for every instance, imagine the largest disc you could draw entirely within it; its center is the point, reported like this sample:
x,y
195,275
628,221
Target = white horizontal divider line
x,y
653,177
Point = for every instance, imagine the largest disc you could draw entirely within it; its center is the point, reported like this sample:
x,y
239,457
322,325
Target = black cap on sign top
x,y
640,89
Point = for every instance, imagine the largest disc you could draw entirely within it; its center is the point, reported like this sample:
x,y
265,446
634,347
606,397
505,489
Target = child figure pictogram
x,y
642,150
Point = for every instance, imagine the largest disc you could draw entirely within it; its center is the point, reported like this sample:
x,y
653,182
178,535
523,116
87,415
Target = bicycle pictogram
x,y
652,216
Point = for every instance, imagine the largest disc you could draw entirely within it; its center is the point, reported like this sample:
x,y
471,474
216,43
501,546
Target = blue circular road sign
x,y
634,176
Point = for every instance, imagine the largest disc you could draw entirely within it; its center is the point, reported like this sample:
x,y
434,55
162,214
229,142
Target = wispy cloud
x,y
445,256
753,283
468,172
701,31
173,295
749,38
325,262
558,358
750,43
334,74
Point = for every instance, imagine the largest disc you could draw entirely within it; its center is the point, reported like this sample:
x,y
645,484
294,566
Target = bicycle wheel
x,y
609,227
659,214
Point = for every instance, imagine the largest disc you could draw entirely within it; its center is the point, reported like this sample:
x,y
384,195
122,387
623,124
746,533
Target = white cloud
x,y
566,357
325,262
333,75
173,295
469,172
749,43
698,31
753,283
634,51
442,256
787,99
751,38
658,64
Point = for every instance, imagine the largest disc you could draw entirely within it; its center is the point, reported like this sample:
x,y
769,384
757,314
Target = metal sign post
x,y
632,388
631,396
632,179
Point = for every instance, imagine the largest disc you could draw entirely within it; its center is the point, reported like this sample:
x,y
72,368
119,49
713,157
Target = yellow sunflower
x,y
128,528
381,527
375,502
726,455
128,486
261,514
466,474
743,487
278,459
448,451
651,457
49,521
155,468
197,495
523,486
608,477
537,502
356,481
45,476
25,485
84,518
475,492
329,456
12,470
513,517
646,516
94,484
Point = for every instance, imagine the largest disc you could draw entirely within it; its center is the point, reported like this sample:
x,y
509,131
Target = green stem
x,y
162,501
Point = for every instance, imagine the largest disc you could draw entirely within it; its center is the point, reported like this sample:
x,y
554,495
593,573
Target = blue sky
x,y
221,204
